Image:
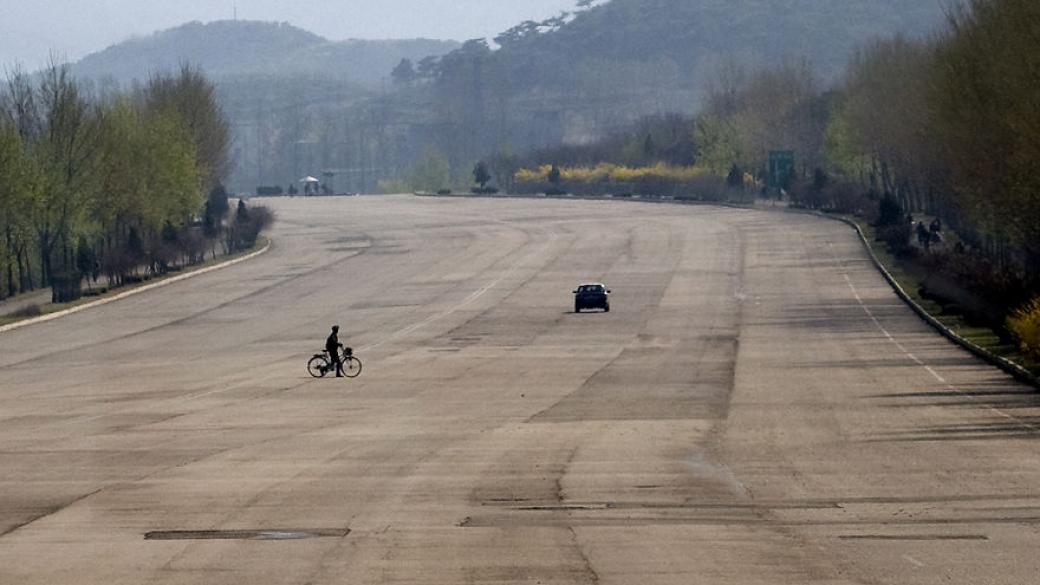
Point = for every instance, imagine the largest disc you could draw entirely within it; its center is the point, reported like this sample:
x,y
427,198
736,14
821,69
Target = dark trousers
x,y
334,354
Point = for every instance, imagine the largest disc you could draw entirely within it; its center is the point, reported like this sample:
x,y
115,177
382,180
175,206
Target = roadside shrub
x,y
1024,324
609,172
249,222
847,198
805,195
394,186
897,237
269,190
485,191
66,287
444,192
735,178
705,188
999,285
890,212
193,246
32,310
117,265
555,191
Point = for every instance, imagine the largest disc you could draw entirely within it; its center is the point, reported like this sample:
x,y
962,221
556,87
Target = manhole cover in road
x,y
245,534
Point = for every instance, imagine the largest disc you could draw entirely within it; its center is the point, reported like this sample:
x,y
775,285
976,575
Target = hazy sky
x,y
31,29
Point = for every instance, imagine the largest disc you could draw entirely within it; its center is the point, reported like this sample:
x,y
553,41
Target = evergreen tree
x,y
481,174
555,176
217,202
735,178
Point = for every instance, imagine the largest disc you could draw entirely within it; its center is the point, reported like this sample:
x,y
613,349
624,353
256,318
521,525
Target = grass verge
x,y
34,311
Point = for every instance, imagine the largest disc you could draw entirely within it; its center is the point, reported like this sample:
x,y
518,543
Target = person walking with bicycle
x,y
335,357
332,345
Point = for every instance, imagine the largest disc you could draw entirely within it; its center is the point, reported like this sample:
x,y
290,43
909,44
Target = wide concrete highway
x,y
758,408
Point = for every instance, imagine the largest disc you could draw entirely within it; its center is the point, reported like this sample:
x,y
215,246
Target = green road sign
x,y
781,168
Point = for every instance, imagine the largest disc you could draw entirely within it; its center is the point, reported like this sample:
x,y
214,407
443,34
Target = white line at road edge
x,y
1016,370
918,361
132,292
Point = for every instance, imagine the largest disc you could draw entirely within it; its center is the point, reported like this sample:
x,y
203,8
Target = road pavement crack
x,y
589,569
50,512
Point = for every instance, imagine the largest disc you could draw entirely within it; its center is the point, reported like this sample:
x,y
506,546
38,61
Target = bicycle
x,y
321,364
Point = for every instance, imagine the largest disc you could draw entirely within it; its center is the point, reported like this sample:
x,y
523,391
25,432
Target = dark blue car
x,y
591,296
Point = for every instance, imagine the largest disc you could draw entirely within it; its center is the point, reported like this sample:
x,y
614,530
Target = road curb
x,y
1016,371
135,291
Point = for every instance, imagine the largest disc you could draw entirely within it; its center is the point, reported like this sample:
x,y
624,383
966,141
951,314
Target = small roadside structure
x,y
311,185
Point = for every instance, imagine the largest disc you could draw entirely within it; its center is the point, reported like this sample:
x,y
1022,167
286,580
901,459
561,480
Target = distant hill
x,y
301,104
696,33
576,78
247,48
283,89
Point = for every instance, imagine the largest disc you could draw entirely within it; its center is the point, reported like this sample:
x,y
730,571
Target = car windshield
x,y
591,289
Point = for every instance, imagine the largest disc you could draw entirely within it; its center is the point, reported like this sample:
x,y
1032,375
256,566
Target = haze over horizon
x,y
31,31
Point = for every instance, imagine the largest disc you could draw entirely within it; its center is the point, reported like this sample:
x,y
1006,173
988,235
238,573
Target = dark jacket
x,y
332,343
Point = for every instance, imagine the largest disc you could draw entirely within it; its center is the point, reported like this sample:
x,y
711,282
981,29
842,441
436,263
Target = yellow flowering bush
x,y
533,176
613,172
1025,324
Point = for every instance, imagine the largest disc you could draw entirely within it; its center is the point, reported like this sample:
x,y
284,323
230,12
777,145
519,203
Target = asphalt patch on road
x,y
246,534
914,537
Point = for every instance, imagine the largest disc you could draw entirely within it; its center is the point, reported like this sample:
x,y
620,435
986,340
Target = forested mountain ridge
x,y
279,85
577,77
692,33
243,48
299,104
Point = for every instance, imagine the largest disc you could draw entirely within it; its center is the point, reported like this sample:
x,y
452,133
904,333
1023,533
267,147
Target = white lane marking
x,y
889,336
919,361
913,561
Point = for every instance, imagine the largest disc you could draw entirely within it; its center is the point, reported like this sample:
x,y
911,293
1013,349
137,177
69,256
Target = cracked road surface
x,y
758,408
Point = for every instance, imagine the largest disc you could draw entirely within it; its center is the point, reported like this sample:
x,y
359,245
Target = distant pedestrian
x,y
924,238
935,232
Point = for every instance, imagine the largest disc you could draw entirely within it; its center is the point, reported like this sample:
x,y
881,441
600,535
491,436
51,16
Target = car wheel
x,y
606,309
577,308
